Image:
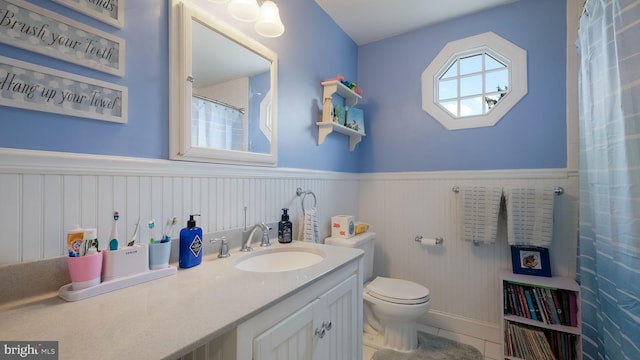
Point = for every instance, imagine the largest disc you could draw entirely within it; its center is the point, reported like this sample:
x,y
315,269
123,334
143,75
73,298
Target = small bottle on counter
x,y
284,228
74,241
190,244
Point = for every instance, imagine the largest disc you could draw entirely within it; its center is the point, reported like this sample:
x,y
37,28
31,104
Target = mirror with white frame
x,y
222,91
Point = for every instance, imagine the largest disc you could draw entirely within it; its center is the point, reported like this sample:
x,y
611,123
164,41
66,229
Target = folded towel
x,y
529,216
309,226
481,206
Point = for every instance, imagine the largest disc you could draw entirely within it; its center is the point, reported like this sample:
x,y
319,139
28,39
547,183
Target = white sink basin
x,y
280,259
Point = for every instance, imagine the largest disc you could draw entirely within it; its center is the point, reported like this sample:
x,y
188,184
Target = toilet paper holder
x,y
439,239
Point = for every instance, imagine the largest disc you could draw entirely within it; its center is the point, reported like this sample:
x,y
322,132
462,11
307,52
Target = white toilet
x,y
391,306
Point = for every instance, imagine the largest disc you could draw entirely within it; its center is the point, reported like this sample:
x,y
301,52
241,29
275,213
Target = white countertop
x,y
163,318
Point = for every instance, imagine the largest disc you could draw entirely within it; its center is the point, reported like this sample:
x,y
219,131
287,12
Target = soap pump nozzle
x,y
285,215
191,223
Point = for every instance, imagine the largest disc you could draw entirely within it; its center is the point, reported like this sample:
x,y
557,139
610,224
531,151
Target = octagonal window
x,y
473,82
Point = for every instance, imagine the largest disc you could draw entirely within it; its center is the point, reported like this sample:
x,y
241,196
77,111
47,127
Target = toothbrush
x,y
135,233
167,229
152,225
113,243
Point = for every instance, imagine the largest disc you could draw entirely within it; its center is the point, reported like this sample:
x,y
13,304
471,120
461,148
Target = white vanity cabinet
x,y
323,321
323,329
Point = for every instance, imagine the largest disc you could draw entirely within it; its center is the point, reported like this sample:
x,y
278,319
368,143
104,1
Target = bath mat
x,y
431,347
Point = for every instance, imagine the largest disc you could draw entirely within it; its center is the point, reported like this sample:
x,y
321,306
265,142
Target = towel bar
x,y
558,190
300,192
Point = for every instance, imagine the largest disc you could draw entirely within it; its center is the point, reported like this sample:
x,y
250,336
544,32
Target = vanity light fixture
x,y
269,23
244,10
266,16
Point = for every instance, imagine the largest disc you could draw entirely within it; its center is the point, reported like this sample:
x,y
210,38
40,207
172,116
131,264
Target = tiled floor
x,y
490,350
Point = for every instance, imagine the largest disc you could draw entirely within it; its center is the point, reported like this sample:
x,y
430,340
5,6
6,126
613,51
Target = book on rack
x,y
563,345
532,310
512,303
558,303
524,306
540,303
573,309
552,307
565,307
542,313
527,342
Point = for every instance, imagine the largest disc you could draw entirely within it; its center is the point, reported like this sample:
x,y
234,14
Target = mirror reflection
x,y
225,89
230,82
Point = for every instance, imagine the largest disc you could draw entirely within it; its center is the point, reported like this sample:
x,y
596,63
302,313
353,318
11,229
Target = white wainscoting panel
x,y
44,194
462,277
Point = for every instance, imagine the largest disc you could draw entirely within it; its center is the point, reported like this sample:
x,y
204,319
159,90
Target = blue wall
x,y
312,48
402,137
146,134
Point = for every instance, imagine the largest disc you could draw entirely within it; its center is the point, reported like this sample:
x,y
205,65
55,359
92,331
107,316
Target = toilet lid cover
x,y
397,289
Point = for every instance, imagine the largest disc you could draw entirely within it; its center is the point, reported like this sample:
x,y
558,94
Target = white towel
x,y
529,216
309,226
481,206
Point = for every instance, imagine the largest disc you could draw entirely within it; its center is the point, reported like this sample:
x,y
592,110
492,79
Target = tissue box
x,y
342,226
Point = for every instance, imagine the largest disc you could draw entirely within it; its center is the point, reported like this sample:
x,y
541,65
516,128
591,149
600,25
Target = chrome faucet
x,y
224,246
247,235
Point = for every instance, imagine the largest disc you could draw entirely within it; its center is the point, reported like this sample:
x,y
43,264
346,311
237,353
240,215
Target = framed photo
x,y
355,119
530,260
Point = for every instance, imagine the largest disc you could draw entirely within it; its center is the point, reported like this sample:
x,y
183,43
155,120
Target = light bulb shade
x,y
269,23
244,10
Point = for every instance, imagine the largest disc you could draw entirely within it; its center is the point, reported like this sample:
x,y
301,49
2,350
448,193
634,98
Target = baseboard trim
x,y
461,325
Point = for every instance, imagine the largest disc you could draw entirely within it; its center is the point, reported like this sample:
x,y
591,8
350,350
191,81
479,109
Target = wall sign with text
x,y
107,11
39,30
28,86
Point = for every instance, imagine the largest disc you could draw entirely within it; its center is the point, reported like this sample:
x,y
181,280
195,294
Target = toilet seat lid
x,y
397,291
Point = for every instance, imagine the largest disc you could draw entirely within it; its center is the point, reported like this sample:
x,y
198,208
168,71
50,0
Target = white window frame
x,y
506,52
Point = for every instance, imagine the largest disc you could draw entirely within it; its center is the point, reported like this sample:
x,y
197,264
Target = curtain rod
x,y
241,110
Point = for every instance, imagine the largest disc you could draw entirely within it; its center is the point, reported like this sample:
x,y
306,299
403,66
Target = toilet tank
x,y
363,242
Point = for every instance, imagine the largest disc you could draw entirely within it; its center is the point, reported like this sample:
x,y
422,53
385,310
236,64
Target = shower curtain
x,y
216,125
609,224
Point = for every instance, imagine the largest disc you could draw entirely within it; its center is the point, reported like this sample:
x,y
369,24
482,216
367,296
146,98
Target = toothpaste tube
x,y
75,238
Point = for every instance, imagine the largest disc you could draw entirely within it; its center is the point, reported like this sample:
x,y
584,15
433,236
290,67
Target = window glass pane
x,y
450,106
491,63
493,99
471,64
448,89
451,71
471,107
471,85
497,80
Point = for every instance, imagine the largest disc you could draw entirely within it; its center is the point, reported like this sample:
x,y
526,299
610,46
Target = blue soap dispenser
x,y
190,244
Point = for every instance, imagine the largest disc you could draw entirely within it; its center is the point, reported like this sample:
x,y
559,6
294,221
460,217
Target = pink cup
x,y
85,271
